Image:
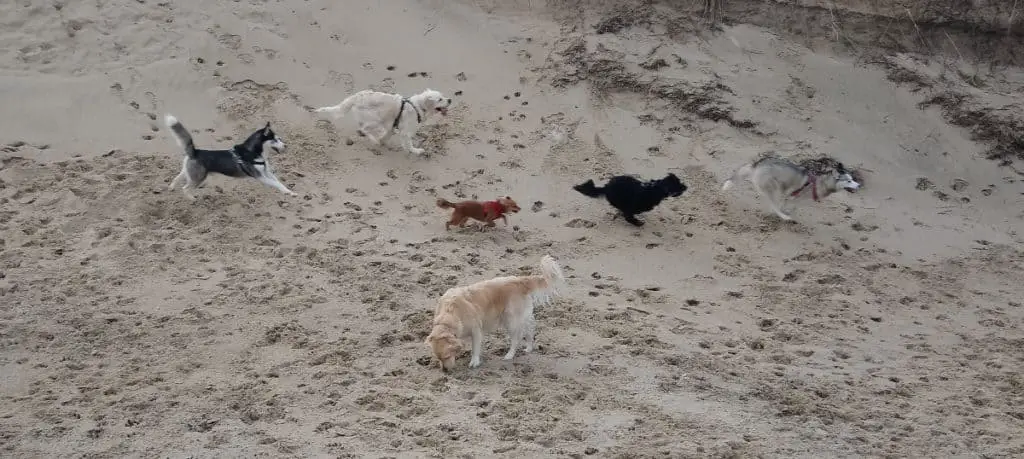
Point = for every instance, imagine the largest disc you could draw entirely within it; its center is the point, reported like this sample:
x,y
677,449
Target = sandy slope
x,y
133,322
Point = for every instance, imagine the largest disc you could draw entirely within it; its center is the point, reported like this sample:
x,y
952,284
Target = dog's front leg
x,y
272,181
478,344
529,329
491,217
504,220
407,143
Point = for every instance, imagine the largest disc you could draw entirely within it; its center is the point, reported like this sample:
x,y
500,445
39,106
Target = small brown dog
x,y
486,212
505,302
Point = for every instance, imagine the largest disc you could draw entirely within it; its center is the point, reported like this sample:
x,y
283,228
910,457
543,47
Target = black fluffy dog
x,y
631,196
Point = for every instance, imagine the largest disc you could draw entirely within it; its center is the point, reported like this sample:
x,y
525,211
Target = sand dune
x,y
134,322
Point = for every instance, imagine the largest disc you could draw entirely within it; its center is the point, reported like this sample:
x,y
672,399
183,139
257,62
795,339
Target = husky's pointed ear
x,y
840,168
267,127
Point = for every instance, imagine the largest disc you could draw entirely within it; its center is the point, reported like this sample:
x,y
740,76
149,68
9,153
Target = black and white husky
x,y
243,160
778,179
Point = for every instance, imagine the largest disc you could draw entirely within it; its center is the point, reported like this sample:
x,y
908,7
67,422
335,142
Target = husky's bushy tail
x,y
589,189
742,173
181,135
342,109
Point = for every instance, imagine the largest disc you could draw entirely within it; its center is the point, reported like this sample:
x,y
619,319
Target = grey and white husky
x,y
778,179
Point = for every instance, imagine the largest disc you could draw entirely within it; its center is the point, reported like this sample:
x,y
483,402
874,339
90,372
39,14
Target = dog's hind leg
x,y
775,200
517,324
181,175
178,179
186,189
457,220
193,179
515,334
633,220
529,328
478,344
373,132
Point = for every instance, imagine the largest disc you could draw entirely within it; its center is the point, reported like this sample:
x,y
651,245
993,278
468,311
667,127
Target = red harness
x,y
813,182
494,207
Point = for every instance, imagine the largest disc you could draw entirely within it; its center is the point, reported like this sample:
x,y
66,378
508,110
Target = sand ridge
x,y
135,322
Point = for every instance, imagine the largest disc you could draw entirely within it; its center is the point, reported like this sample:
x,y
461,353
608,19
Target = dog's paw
x,y
509,356
418,151
634,221
474,363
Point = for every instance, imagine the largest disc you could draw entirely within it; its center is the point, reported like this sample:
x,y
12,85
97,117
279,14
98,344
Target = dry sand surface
x,y
134,322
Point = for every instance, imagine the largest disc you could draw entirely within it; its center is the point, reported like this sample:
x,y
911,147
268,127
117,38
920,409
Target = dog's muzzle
x,y
444,110
278,146
847,183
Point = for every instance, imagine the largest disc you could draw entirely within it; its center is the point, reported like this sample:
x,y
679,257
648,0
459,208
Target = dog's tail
x,y
589,189
445,204
742,173
340,110
552,274
181,135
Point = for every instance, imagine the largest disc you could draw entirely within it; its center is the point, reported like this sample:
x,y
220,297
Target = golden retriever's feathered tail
x,y
552,275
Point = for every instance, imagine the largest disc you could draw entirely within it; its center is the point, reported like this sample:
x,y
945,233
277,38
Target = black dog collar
x,y
242,159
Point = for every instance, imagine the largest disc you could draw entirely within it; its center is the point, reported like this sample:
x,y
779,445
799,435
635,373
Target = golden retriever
x,y
506,302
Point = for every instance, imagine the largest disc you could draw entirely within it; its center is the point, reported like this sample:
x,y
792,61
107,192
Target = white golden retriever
x,y
380,114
